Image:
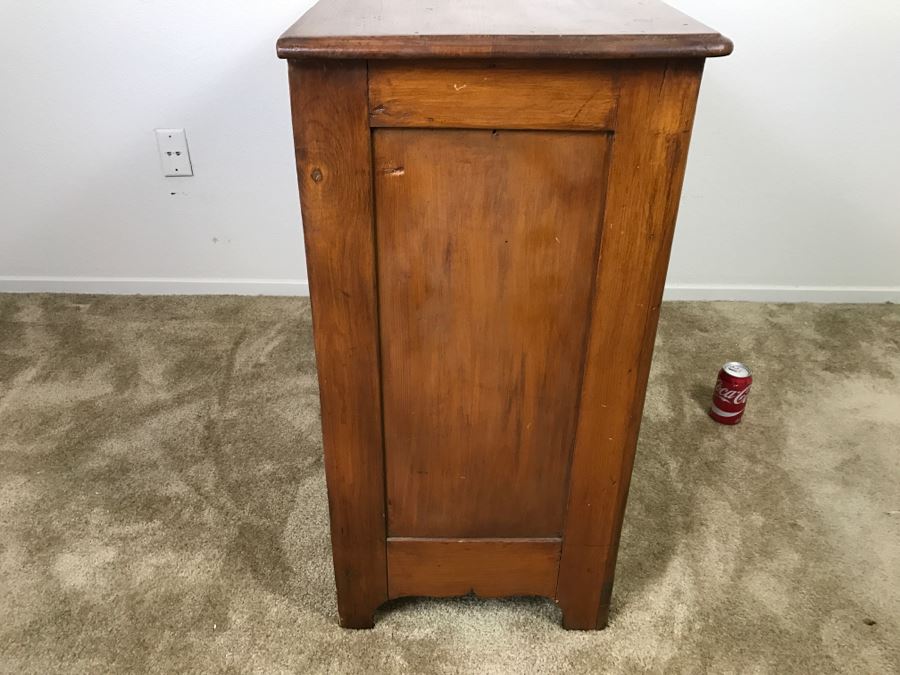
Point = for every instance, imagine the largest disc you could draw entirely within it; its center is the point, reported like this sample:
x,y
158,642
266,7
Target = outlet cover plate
x,y
173,152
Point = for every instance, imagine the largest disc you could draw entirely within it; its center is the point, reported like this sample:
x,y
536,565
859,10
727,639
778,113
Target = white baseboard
x,y
763,293
153,286
300,287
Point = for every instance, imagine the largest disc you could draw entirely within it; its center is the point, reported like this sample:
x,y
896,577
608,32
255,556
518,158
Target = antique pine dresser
x,y
488,191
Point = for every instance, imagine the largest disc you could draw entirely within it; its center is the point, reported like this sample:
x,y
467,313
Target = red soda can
x,y
730,395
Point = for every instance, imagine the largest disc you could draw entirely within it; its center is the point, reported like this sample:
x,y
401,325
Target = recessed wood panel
x,y
484,94
487,249
487,567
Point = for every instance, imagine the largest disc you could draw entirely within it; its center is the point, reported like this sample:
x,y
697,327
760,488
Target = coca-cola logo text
x,y
737,396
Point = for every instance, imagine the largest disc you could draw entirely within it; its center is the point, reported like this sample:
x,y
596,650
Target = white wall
x,y
792,193
84,203
793,183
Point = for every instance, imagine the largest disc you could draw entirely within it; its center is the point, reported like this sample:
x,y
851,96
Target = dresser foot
x,y
575,620
358,620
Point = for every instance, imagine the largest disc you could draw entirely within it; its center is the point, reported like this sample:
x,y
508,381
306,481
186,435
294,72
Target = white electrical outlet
x,y
173,152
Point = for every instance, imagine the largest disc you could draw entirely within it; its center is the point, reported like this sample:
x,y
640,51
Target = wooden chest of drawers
x,y
489,193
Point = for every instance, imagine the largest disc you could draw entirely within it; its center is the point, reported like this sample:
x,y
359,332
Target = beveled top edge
x,y
488,46
382,29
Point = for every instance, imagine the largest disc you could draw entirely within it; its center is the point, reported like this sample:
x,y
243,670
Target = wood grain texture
x,y
656,114
334,169
488,568
490,94
376,29
487,243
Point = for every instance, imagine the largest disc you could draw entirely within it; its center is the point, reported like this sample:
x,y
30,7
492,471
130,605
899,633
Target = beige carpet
x,y
162,503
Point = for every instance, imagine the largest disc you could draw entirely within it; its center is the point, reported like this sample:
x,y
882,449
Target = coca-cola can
x,y
730,395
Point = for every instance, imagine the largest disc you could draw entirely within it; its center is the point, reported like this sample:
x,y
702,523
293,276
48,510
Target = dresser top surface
x,y
499,28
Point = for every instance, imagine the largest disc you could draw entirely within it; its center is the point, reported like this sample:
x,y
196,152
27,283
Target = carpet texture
x,y
163,507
